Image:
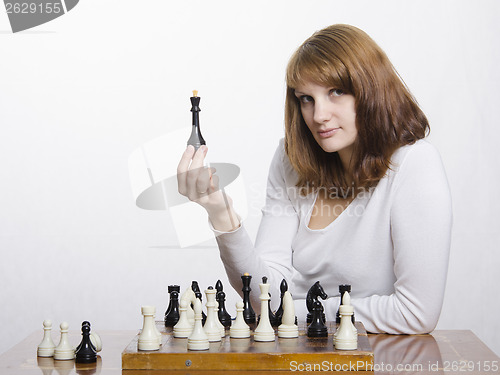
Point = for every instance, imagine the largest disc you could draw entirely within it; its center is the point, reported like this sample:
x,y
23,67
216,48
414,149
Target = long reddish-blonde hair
x,y
387,115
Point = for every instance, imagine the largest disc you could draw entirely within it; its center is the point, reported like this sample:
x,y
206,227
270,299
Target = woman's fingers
x,y
199,157
182,169
214,181
195,173
195,181
203,181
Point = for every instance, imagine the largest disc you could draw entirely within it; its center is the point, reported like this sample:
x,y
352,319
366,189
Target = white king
x,y
264,331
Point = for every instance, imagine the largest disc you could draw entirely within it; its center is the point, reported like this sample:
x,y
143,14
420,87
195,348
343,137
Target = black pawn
x,y
196,289
172,315
84,323
223,315
279,312
317,328
85,352
342,289
248,312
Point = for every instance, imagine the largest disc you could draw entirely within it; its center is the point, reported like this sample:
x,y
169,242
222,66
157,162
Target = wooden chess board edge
x,y
245,354
359,361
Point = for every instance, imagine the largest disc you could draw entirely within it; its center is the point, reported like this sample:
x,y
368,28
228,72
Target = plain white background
x,y
79,94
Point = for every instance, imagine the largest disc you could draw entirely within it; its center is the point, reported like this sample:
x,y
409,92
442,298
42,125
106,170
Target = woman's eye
x,y
336,92
306,99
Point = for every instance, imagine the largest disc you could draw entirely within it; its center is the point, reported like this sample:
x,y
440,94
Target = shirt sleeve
x,y
271,256
421,221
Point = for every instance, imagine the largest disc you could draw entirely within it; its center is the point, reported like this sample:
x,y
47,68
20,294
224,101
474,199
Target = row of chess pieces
x,y
189,321
85,352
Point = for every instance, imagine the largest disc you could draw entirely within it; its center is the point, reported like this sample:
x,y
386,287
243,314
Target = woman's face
x,y
330,115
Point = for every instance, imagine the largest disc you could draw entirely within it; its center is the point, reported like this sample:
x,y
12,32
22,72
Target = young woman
x,y
355,194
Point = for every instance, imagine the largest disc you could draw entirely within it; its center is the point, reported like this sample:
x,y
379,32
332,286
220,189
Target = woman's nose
x,y
322,112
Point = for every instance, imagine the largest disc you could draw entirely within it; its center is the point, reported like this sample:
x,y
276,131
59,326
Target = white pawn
x,y
346,338
346,301
239,329
183,328
47,346
148,339
198,339
211,327
264,331
288,328
64,350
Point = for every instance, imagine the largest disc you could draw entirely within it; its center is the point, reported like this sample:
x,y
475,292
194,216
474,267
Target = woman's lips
x,y
328,132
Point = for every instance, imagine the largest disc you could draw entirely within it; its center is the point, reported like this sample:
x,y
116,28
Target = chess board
x,y
298,354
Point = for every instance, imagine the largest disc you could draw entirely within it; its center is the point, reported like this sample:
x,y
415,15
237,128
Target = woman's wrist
x,y
224,220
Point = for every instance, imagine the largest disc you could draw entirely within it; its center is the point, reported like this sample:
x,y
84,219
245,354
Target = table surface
x,y
445,352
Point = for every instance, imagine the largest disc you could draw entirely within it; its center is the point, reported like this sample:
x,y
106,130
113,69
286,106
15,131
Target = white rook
x,y
148,339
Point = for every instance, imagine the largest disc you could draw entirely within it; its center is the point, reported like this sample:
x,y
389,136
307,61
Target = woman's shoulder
x,y
421,154
418,165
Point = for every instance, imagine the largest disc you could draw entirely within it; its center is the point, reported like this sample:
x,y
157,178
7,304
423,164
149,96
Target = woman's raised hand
x,y
194,180
200,184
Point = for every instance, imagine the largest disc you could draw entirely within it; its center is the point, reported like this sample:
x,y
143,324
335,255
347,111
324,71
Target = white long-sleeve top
x,y
391,244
